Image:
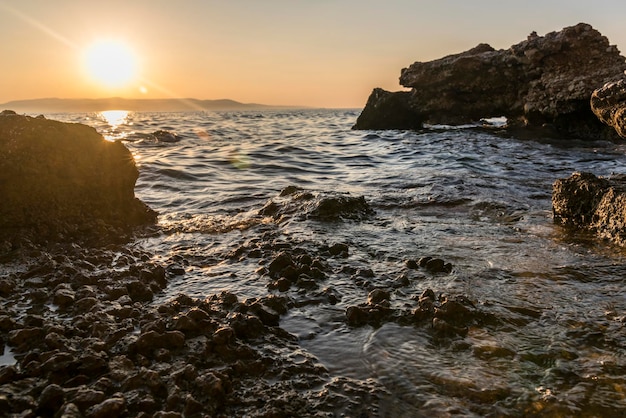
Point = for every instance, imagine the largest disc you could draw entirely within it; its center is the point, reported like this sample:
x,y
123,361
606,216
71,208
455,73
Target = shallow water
x,y
478,200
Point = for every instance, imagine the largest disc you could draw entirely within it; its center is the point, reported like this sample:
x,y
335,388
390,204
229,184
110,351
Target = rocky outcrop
x,y
62,179
592,203
609,105
544,81
386,110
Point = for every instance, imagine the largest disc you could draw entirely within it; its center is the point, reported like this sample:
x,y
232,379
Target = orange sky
x,y
323,53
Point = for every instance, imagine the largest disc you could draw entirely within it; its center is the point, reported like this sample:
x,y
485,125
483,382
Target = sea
x,y
476,198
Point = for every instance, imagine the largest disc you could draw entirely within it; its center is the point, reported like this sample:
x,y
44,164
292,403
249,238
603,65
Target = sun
x,y
111,63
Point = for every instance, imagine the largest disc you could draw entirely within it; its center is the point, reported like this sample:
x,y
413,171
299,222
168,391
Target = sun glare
x,y
110,63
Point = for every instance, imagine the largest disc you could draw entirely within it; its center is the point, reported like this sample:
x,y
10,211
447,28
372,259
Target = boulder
x,y
55,174
389,110
542,82
596,204
609,105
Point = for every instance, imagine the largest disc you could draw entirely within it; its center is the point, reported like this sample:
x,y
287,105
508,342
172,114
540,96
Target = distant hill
x,y
52,105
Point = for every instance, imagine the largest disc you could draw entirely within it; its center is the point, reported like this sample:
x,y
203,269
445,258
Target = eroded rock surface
x,y
64,178
609,104
544,81
592,203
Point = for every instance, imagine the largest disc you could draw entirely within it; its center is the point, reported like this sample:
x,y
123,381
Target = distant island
x,y
56,105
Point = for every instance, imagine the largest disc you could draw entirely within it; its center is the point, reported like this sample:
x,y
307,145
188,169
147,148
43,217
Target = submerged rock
x,y
592,203
57,177
544,81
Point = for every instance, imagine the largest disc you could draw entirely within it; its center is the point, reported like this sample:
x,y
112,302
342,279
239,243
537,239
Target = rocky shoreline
x,y
88,342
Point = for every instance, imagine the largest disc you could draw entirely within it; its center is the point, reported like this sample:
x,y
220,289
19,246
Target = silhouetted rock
x,y
387,110
60,178
609,105
542,82
592,203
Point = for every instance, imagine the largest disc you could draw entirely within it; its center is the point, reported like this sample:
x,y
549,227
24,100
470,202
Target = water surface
x,y
476,199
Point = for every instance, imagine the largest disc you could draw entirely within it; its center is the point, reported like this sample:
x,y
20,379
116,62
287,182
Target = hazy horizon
x,y
278,52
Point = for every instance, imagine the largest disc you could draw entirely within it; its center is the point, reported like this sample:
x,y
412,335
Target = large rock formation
x,y
609,104
542,81
597,204
57,177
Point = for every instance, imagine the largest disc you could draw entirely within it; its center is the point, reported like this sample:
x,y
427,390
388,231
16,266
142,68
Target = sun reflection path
x,y
115,119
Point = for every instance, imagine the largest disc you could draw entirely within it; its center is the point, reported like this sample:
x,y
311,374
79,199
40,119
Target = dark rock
x,y
389,110
165,136
378,296
338,249
435,265
335,208
592,203
50,400
56,177
110,408
149,341
609,105
86,398
63,297
542,81
70,410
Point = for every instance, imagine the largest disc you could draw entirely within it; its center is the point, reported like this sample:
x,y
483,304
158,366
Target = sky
x,y
319,53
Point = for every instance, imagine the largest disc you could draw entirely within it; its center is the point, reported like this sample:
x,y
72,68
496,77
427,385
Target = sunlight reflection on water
x,y
115,119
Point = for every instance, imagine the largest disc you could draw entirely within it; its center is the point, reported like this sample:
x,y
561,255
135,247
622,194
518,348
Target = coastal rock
x,y
64,178
542,82
592,203
389,110
609,105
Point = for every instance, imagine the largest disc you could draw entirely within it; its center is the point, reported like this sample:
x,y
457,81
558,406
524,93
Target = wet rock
x,y
85,398
543,82
139,292
335,208
592,203
265,314
609,105
443,328
149,341
339,249
50,400
25,336
76,180
63,297
165,136
279,263
378,296
389,110
70,410
111,408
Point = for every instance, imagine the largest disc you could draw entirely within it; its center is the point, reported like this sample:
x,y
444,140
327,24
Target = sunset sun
x,y
110,63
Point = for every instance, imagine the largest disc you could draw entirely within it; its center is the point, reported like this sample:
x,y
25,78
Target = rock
x,y
389,110
110,408
378,296
592,203
542,81
56,177
152,340
165,136
70,410
335,208
609,105
50,400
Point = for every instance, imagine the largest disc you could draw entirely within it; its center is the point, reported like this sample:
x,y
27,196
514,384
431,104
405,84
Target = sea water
x,y
478,199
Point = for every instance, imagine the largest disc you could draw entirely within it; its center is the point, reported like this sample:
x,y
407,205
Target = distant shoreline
x,y
56,105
